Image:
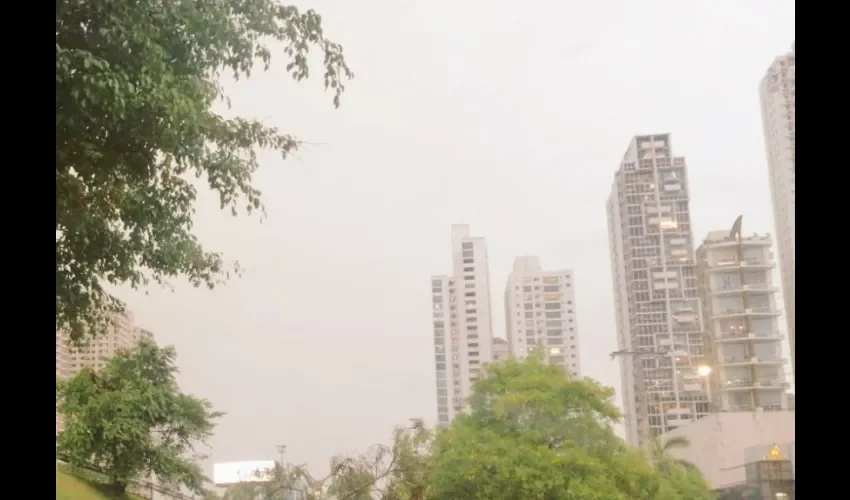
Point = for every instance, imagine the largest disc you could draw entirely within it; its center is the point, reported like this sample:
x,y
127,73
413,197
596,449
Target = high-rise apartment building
x,y
779,118
659,330
463,335
96,351
739,311
540,313
120,334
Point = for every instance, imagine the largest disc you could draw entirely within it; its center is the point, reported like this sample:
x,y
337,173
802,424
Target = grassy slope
x,y
69,487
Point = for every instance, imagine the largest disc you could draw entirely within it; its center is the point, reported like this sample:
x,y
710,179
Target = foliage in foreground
x,y
532,433
130,420
135,86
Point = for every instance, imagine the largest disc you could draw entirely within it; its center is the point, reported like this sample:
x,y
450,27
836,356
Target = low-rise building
x,y
722,444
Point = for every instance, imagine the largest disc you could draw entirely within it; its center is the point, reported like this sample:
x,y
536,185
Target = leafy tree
x,y
131,420
660,452
534,433
411,453
135,87
396,472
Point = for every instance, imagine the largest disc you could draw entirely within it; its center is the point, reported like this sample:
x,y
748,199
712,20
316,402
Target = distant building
x,y
738,301
540,313
96,351
462,322
779,119
501,350
722,444
120,334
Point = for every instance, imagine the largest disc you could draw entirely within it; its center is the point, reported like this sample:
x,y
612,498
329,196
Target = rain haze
x,y
511,117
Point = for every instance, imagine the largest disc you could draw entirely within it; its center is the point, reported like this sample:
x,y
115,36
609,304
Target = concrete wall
x,y
720,442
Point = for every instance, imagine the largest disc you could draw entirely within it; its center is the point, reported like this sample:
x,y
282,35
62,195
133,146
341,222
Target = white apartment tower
x,y
655,292
540,314
779,117
740,314
463,334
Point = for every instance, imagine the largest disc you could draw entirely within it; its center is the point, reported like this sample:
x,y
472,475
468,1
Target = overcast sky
x,y
509,116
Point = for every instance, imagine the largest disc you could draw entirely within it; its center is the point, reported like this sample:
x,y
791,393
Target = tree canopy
x,y
136,83
534,433
130,419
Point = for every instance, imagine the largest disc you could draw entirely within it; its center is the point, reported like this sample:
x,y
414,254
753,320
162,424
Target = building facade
x,y
738,301
501,350
659,328
462,321
540,314
779,120
120,334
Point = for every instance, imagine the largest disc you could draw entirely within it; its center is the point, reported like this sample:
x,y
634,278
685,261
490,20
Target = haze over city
x,y
511,118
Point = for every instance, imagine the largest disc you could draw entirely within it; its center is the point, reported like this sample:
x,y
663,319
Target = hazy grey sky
x,y
509,116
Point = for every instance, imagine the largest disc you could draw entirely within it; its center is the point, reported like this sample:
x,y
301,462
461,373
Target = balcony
x,y
759,408
743,361
731,338
773,383
676,417
737,385
734,312
750,385
755,264
763,287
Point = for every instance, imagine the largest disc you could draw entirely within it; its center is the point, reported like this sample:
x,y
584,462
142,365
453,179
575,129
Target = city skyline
x,y
525,158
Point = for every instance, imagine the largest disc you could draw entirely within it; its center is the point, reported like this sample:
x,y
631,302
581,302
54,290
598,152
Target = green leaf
x,y
135,86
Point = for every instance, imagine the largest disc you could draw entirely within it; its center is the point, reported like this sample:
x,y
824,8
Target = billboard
x,y
252,471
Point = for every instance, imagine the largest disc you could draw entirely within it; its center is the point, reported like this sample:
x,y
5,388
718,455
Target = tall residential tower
x,y
655,292
779,117
463,334
739,309
540,313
